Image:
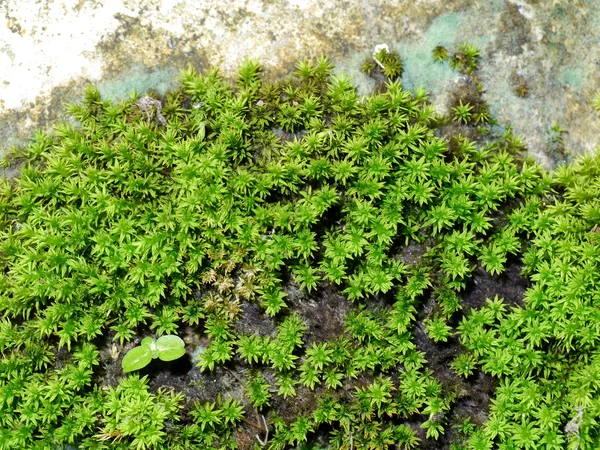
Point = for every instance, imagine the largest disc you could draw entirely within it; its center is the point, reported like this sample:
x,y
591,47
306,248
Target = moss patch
x,y
345,271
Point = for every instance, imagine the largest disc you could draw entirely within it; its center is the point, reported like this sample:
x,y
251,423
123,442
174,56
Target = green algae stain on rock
x,y
444,29
448,30
139,79
421,69
572,76
415,51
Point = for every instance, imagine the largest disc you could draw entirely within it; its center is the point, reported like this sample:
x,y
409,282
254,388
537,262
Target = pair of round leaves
x,y
166,348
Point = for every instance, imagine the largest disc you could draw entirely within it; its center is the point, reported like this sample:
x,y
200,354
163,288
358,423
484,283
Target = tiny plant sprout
x,y
166,348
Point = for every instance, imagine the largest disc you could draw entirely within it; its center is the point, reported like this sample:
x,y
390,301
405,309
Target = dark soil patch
x,y
473,394
323,311
412,253
304,404
474,401
509,285
180,375
253,320
110,372
195,385
439,355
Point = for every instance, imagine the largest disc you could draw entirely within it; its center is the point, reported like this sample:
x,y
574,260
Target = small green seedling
x,y
167,348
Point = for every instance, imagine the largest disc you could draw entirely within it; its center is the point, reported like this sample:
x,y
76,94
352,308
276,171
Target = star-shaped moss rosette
x,y
166,348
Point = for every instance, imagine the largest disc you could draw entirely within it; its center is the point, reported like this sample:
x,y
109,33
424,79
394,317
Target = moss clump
x,y
305,200
465,59
385,62
440,53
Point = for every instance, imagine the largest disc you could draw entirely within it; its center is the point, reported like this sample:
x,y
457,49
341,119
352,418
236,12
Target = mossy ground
x,y
346,272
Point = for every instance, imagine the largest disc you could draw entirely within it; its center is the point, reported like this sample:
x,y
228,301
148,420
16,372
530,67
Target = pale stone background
x,y
49,51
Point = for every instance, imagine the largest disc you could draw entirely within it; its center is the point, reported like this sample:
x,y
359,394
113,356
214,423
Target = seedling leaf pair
x,y
166,348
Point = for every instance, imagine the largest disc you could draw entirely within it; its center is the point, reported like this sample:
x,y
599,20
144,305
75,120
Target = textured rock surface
x,y
50,49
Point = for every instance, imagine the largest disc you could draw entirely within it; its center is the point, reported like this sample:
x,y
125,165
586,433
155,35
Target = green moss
x,y
440,53
324,250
